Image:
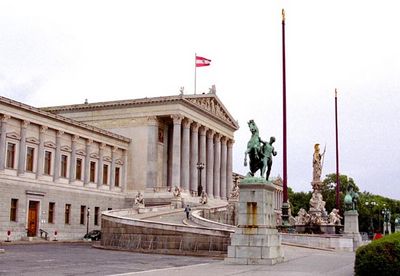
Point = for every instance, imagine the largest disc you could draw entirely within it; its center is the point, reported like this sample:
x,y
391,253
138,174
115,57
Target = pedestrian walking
x,y
187,211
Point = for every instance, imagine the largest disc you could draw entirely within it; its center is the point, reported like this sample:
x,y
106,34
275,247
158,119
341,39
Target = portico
x,y
170,136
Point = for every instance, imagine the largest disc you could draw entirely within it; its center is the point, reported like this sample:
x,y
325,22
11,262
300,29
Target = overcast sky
x,y
61,52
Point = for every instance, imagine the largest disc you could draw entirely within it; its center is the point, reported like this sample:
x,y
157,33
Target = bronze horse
x,y
259,151
255,151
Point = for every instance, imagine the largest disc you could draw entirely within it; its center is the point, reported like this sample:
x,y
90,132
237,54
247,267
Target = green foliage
x,y
298,200
380,257
329,190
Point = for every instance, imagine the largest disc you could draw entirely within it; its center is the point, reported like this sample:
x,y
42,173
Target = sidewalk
x,y
298,262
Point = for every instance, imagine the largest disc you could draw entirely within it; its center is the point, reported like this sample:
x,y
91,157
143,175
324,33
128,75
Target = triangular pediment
x,y
66,148
119,162
81,152
13,135
50,144
212,105
32,140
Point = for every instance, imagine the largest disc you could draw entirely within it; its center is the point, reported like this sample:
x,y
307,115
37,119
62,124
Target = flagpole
x,y
285,205
195,71
337,156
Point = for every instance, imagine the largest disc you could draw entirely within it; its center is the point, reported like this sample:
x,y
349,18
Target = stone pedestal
x,y
176,202
351,227
256,240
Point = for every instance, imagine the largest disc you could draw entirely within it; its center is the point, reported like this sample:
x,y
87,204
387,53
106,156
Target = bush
x,y
380,257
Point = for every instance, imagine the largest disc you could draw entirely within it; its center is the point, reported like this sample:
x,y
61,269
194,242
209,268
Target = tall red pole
x,y
285,207
337,156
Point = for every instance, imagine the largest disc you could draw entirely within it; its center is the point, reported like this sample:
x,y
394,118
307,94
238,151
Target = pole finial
x,y
283,14
335,92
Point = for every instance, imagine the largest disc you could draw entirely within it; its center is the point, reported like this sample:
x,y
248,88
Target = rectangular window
x,y
116,182
105,174
10,155
30,155
52,206
13,209
64,163
47,162
92,171
67,213
83,213
78,169
96,215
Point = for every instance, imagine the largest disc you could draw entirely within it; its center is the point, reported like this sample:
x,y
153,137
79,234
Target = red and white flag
x,y
201,61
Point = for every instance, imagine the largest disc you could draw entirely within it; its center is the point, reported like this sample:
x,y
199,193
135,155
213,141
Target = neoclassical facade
x,y
170,137
60,167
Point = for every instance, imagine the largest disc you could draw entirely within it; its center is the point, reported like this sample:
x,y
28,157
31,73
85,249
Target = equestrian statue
x,y
260,152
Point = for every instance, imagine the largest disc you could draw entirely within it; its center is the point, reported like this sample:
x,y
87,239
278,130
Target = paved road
x,y
81,259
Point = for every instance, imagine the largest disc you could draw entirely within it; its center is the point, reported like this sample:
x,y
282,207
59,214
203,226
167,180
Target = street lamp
x,y
87,220
200,166
386,219
371,205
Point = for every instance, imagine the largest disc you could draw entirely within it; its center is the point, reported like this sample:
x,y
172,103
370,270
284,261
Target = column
x,y
22,148
86,174
57,157
229,172
194,157
185,154
72,167
217,165
3,144
176,151
202,157
223,168
165,157
210,163
123,170
152,138
100,165
40,159
112,169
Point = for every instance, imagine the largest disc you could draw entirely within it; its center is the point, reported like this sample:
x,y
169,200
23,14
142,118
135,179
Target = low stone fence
x,y
120,232
198,218
335,242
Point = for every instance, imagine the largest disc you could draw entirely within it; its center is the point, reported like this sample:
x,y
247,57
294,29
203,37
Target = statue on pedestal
x,y
203,197
176,192
351,199
317,163
334,217
139,200
260,152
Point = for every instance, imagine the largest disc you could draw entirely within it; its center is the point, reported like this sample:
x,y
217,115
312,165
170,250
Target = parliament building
x,y
61,166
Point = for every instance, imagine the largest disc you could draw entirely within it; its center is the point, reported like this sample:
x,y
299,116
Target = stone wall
x,y
44,193
135,235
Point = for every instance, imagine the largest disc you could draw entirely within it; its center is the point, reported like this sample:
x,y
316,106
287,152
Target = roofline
x,y
44,113
142,101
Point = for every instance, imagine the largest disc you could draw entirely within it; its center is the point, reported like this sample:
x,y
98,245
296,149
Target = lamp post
x,y
200,166
87,220
386,219
371,205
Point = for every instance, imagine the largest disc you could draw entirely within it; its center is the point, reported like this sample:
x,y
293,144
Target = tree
x,y
329,190
298,200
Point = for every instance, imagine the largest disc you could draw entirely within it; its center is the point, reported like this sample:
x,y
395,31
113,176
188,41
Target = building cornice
x,y
59,118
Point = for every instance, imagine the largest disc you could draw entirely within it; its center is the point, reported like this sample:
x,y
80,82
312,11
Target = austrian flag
x,y
200,61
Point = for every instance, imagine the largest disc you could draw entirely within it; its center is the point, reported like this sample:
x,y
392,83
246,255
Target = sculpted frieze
x,y
212,106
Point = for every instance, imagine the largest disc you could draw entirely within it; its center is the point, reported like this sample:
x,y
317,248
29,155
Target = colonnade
x,y
194,143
